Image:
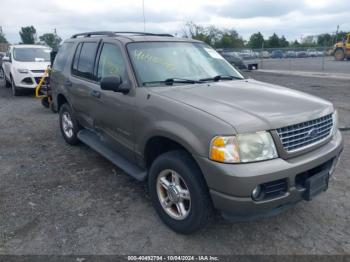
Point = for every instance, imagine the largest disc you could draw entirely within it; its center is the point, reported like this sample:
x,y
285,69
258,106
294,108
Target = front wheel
x,y
179,192
339,54
69,125
14,88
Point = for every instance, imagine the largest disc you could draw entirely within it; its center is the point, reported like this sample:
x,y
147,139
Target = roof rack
x,y
120,33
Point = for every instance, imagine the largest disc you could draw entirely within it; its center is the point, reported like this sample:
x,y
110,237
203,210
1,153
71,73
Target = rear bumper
x,y
231,185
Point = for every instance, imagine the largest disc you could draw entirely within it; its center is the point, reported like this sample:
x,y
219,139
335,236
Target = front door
x,y
114,115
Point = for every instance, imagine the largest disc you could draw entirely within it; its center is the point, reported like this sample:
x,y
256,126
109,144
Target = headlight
x,y
243,148
23,71
335,121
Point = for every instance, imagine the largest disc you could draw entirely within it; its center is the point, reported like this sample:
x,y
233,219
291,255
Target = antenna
x,y
143,13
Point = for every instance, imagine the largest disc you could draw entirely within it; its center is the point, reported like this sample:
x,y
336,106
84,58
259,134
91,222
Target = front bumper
x,y
231,184
29,80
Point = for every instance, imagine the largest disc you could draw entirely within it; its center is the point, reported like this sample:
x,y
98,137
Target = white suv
x,y
24,65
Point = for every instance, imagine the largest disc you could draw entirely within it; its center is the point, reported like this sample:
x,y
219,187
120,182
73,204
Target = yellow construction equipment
x,y
341,50
42,90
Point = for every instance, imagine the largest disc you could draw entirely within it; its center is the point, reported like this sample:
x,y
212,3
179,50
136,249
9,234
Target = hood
x,y
250,105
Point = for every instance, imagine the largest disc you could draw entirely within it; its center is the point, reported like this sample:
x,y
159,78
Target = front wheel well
x,y
159,145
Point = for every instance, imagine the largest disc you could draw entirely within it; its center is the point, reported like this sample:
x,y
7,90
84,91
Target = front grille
x,y
38,71
298,136
274,188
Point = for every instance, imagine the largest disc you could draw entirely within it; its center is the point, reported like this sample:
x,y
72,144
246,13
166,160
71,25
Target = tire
x,y
45,102
69,125
197,209
7,83
15,90
339,54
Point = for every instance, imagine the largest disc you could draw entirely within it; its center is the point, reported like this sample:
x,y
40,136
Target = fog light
x,y
256,192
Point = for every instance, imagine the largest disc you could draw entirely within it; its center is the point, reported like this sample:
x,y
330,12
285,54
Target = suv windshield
x,y
32,54
158,61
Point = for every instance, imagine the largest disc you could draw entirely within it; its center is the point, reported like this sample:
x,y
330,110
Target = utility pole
x,y
143,13
336,35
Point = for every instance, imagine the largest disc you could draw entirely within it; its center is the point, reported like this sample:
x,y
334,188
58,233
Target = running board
x,y
92,140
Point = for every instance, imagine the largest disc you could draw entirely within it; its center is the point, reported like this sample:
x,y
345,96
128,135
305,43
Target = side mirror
x,y
113,83
6,59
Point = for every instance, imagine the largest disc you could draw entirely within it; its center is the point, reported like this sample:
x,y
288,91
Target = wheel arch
x,y
162,143
60,100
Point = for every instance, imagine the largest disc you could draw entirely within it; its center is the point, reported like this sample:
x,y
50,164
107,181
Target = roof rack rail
x,y
89,34
142,33
111,33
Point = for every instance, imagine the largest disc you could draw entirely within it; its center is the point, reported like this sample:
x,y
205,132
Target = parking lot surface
x,y
58,199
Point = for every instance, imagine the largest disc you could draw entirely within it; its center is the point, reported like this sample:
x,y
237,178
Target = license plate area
x,y
316,184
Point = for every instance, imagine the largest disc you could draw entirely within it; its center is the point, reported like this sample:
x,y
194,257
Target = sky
x,y
293,18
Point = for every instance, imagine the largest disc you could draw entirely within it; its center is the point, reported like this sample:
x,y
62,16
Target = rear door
x,y
82,83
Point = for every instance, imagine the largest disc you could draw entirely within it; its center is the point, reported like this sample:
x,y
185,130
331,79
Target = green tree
x,y
273,41
213,35
283,42
324,40
3,39
230,39
194,31
256,40
28,34
51,40
295,44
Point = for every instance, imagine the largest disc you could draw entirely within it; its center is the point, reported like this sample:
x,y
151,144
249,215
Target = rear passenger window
x,y
83,64
62,56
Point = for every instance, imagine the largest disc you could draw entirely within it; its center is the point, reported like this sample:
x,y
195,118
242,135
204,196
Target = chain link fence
x,y
313,59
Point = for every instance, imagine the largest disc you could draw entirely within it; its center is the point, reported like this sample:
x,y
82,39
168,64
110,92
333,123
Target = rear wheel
x,y
45,102
179,192
69,125
339,54
15,90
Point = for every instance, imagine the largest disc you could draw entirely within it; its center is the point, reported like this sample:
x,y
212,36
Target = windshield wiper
x,y
171,81
220,77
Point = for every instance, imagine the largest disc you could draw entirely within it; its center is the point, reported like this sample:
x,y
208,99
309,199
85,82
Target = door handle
x,y
68,83
95,93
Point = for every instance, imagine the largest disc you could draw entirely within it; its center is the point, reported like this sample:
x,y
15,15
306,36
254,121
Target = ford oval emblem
x,y
312,133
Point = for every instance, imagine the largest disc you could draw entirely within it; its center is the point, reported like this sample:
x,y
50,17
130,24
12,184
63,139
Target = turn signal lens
x,y
243,148
224,149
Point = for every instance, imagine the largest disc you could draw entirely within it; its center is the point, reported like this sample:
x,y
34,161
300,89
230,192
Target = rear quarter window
x,y
62,57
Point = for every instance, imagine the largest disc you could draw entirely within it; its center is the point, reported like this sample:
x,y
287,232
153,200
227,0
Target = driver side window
x,y
111,62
